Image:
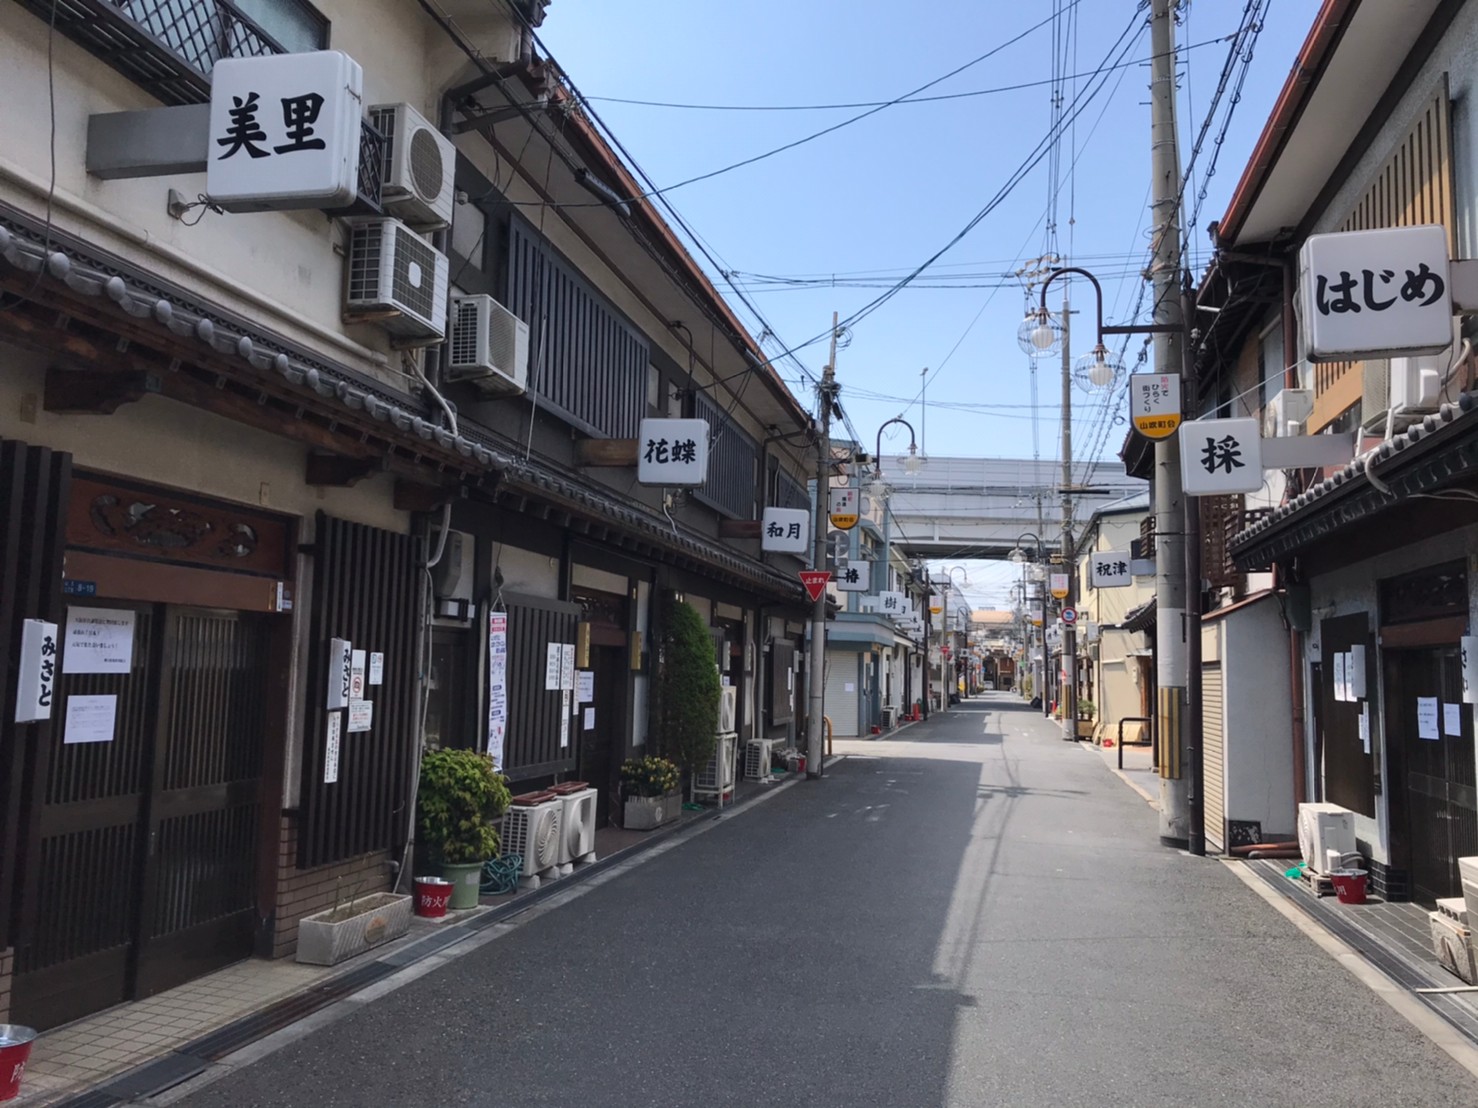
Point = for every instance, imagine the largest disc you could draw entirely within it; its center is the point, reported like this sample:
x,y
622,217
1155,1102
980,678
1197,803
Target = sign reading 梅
x,y
1154,404
672,452
284,131
1375,293
1220,456
1109,569
785,531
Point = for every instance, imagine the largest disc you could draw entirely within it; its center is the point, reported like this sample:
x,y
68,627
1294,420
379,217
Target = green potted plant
x,y
1087,713
649,787
686,688
459,802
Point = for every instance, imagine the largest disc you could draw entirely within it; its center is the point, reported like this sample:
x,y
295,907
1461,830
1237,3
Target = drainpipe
x,y
1295,637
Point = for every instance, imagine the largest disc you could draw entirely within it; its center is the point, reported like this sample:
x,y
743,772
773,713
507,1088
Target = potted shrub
x,y
352,926
650,789
685,688
1087,713
459,802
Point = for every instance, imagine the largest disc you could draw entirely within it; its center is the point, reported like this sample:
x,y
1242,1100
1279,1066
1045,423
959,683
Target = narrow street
x,y
971,913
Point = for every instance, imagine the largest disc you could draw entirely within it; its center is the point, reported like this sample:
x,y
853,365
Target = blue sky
x,y
874,199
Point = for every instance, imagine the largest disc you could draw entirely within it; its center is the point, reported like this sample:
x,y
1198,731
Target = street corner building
x,y
322,376
1337,322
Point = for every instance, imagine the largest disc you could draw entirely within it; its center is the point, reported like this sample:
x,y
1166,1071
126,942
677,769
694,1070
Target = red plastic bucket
x,y
1349,885
15,1048
432,896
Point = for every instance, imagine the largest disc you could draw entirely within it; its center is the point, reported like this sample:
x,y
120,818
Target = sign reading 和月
x,y
785,531
284,131
1154,404
1375,293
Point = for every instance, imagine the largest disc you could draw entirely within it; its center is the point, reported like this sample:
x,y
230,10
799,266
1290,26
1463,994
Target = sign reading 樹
x,y
854,576
1154,404
815,581
892,603
1109,569
785,531
1375,293
284,131
1220,456
672,452
844,514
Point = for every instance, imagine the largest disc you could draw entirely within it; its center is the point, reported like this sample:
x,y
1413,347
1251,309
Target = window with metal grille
x,y
586,362
169,47
787,492
733,463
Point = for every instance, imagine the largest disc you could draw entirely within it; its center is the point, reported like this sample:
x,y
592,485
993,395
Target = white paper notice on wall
x,y
1365,727
340,673
1339,678
497,685
553,658
584,686
361,715
331,749
90,719
358,659
376,669
1452,719
590,719
1355,671
850,686
567,667
98,640
564,718
1426,718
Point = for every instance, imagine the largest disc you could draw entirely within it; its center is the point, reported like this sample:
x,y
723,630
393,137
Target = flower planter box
x,y
643,813
1085,728
327,938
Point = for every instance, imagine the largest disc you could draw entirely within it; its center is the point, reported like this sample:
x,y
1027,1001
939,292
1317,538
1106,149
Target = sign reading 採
x,y
785,531
1375,293
672,452
1220,456
284,131
1109,569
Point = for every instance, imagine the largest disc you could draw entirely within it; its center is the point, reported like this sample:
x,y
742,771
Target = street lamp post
x,y
949,580
1020,556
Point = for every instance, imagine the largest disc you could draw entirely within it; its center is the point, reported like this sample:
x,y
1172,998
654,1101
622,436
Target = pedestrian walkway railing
x,y
1148,740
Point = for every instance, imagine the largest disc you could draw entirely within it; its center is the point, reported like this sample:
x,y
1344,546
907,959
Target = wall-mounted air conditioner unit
x,y
488,347
419,167
1322,828
1416,383
1286,413
728,709
396,279
1375,392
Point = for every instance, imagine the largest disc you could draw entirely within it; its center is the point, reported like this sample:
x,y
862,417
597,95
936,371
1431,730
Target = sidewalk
x,y
141,1048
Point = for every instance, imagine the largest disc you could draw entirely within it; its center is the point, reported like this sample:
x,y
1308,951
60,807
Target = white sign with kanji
x,y
854,576
1109,569
672,452
785,531
1219,456
1375,293
1057,585
892,603
284,131
1154,404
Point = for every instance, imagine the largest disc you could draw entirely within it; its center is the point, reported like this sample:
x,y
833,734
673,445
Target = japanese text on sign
x,y
785,530
497,685
36,686
1154,404
672,452
854,576
99,640
1109,569
1221,456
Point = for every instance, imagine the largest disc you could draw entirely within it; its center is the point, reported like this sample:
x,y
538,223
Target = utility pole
x,y
1068,699
816,663
1171,631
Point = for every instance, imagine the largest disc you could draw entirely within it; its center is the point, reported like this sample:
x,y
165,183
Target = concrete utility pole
x,y
816,662
1068,700
1171,632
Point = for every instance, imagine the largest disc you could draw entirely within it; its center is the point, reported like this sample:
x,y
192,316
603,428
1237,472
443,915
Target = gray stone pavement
x,y
973,913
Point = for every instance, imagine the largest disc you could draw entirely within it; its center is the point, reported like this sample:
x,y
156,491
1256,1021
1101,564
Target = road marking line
x,y
1428,1022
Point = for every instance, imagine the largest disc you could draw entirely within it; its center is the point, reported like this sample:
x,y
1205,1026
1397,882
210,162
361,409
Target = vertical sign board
x,y
1058,586
284,131
1154,404
357,663
553,660
340,674
331,749
1371,294
36,684
1220,456
785,531
497,685
844,513
1469,647
672,452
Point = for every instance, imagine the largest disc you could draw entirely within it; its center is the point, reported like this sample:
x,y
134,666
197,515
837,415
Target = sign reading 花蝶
x,y
785,531
672,452
284,131
854,576
844,514
1220,456
1154,404
1375,293
1109,569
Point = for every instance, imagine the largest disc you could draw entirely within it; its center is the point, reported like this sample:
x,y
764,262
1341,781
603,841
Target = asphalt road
x,y
973,913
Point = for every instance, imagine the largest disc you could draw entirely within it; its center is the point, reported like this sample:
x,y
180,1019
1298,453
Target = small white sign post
x,y
284,131
1375,293
1220,456
1154,404
672,452
785,531
35,687
1110,569
854,576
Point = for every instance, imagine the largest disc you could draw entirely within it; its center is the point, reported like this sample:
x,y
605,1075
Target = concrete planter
x,y
643,813
327,938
